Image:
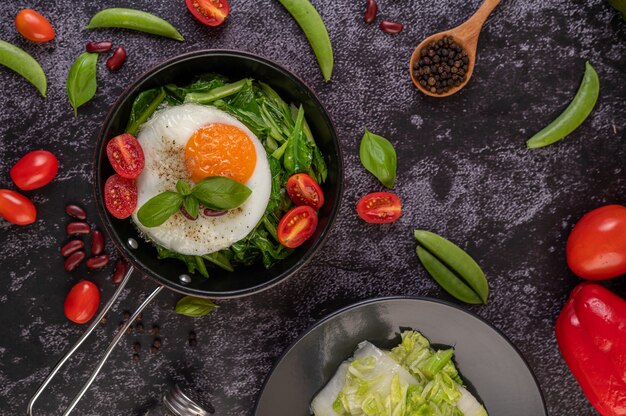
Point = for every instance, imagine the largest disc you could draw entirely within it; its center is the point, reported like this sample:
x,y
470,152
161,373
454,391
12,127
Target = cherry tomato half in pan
x,y
297,226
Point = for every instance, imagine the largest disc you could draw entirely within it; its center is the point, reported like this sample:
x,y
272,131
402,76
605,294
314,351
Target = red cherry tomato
x,y
16,208
379,208
82,302
120,196
297,226
33,26
209,12
126,155
303,190
34,170
596,247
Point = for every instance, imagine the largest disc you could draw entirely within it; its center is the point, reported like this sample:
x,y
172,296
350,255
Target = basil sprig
x,y
81,80
379,157
194,307
214,192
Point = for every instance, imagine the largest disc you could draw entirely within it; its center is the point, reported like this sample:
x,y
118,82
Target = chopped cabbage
x,y
410,380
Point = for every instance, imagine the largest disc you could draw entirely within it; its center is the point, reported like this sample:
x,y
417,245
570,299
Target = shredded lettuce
x,y
412,379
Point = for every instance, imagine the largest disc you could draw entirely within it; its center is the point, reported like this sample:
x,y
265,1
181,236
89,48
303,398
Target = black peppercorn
x,y
126,315
443,65
156,343
136,347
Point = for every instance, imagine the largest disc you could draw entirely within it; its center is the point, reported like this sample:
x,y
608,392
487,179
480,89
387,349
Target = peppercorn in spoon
x,y
444,62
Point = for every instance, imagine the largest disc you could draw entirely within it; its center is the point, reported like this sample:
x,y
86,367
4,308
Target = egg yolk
x,y
220,150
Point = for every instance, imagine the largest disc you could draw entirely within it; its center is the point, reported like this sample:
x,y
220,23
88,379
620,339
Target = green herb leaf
x,y
81,80
183,188
159,208
220,193
192,206
379,157
298,154
194,307
220,258
144,106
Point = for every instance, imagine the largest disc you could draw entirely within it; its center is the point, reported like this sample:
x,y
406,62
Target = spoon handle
x,y
470,30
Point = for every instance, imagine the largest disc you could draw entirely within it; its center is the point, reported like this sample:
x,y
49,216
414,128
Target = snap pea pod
x,y
574,115
25,65
135,20
456,262
313,27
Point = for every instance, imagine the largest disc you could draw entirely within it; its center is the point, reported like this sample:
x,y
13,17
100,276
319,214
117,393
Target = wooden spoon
x,y
466,35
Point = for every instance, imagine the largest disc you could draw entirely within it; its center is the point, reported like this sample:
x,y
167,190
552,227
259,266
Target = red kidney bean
x,y
74,260
391,27
71,247
75,211
97,242
186,214
213,213
97,261
370,11
117,59
77,227
120,271
98,47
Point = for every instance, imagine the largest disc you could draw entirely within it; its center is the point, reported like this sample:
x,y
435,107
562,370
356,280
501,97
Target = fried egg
x,y
191,142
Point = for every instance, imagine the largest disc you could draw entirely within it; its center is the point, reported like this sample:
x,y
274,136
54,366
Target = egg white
x,y
163,139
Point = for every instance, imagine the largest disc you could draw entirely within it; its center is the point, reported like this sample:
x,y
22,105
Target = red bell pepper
x,y
591,333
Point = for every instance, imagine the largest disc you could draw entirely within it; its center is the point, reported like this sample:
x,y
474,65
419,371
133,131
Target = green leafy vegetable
x,y
144,106
159,208
221,259
220,193
379,157
215,93
81,80
194,307
25,65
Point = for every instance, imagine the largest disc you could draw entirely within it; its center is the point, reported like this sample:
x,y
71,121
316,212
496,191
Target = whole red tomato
x,y
596,247
82,302
34,170
33,26
16,208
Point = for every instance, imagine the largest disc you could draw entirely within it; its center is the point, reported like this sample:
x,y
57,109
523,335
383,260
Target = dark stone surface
x,y
463,172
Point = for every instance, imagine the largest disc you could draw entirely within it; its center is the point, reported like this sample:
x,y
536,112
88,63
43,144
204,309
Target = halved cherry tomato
x,y
82,302
379,208
596,247
297,226
120,196
126,155
16,208
209,12
33,26
303,190
34,170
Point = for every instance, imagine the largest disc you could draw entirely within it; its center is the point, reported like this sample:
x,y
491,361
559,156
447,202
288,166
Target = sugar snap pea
x,y
574,115
134,20
25,65
456,262
313,27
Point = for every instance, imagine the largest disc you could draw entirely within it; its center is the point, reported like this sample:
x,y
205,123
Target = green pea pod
x,y
446,278
574,115
456,260
134,20
313,27
25,65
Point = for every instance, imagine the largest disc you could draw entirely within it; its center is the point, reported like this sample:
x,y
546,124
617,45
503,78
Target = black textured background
x,y
463,171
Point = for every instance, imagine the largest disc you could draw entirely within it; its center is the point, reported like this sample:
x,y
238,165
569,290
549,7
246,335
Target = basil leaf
x,y
81,80
192,206
144,106
183,187
220,193
159,208
379,157
194,307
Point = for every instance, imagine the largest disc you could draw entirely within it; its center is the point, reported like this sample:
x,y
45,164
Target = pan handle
x,y
118,336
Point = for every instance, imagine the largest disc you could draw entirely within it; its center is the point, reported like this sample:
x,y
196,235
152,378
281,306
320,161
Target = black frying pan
x,y
172,274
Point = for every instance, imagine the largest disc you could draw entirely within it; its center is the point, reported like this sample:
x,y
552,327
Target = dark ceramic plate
x,y
491,367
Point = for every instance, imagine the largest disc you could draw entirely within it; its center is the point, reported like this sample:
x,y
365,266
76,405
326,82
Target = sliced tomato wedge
x,y
303,190
209,12
297,226
120,196
126,155
379,208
